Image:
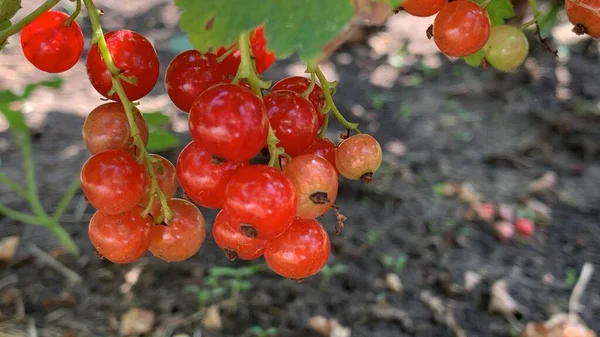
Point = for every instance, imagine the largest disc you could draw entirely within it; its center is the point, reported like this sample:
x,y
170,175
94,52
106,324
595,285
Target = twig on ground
x,y
578,290
72,276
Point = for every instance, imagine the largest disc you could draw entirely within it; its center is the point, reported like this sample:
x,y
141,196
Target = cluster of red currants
x,y
266,210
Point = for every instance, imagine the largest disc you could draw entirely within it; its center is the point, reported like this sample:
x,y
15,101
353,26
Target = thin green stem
x,y
527,24
27,20
534,8
22,217
74,15
13,185
66,199
98,38
323,132
274,151
63,237
28,169
311,87
326,86
227,53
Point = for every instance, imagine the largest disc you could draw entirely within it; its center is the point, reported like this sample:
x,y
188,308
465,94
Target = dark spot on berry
x,y
429,32
230,254
398,9
367,177
580,29
249,231
319,198
216,160
210,24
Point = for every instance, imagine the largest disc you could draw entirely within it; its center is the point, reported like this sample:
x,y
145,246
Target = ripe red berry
x,y
423,8
165,177
293,119
300,84
262,57
316,184
182,237
121,238
262,199
230,121
461,28
107,128
584,15
113,181
525,227
323,147
485,211
233,242
358,157
300,252
204,176
131,53
50,45
189,74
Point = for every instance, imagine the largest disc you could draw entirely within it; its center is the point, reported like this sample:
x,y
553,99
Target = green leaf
x,y
474,60
303,26
16,119
54,83
547,20
498,10
162,140
156,119
7,96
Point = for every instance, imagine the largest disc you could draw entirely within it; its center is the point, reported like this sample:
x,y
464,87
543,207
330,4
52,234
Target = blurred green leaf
x,y
162,140
16,119
548,19
55,83
474,60
498,10
156,118
7,96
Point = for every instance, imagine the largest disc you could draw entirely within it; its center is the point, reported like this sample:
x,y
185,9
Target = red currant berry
x,y
525,227
50,45
300,85
182,237
262,199
293,119
358,157
584,15
189,74
423,8
164,171
262,58
316,184
461,28
300,252
229,121
113,181
121,238
507,48
325,148
234,243
107,128
204,176
131,53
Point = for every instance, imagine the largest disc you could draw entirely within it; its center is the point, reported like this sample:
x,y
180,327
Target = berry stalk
x,y
5,34
143,155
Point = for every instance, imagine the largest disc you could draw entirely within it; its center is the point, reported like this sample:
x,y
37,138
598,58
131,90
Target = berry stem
x,y
326,86
68,195
74,15
323,132
143,155
27,20
528,23
13,185
227,53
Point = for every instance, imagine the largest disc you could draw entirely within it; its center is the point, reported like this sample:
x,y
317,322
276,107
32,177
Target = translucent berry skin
x,y
182,237
300,252
189,74
293,119
106,128
50,45
166,178
113,181
300,84
423,8
325,148
357,156
263,198
203,176
134,55
461,28
584,19
234,243
230,121
316,183
507,48
263,58
120,238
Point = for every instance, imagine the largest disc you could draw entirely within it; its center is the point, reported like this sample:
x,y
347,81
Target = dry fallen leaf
x,y
328,327
212,318
472,279
8,247
559,325
136,321
393,282
467,193
543,183
501,302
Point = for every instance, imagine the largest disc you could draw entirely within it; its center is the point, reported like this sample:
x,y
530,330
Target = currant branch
x,y
17,27
117,75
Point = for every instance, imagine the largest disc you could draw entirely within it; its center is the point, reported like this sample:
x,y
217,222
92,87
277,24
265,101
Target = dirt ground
x,y
437,120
